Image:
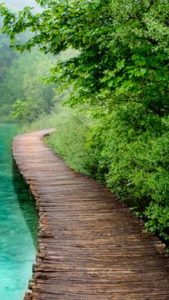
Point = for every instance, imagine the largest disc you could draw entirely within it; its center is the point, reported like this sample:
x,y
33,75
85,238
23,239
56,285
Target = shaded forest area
x,y
23,93
115,81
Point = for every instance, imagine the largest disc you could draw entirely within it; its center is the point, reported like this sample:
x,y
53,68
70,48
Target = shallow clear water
x,y
18,223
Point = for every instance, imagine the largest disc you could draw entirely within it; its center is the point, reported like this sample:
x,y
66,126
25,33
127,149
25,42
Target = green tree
x,y
121,43
6,55
23,91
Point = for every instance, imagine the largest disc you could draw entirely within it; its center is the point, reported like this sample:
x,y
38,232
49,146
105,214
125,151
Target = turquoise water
x,y
18,223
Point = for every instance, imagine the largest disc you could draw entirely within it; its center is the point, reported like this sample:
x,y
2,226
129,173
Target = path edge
x,y
40,229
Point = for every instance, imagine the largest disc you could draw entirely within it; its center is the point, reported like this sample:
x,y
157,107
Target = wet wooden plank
x,y
90,246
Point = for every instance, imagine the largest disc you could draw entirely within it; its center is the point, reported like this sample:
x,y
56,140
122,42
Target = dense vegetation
x,y
6,57
119,81
23,94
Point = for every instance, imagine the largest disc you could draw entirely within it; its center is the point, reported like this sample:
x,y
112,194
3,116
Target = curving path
x,y
90,246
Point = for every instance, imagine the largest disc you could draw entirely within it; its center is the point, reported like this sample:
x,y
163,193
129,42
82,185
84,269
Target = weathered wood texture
x,y
90,246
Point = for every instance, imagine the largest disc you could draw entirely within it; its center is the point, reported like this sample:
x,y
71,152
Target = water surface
x,y
18,223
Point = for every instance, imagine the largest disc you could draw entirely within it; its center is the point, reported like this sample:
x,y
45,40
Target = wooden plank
x,y
90,246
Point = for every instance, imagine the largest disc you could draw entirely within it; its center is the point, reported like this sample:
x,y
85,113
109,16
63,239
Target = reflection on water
x,y
18,224
26,202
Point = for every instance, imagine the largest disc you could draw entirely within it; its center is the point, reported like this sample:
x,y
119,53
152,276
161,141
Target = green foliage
x,y
6,55
130,148
25,94
158,220
122,44
25,111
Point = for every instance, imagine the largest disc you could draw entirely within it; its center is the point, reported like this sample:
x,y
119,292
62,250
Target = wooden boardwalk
x,y
90,246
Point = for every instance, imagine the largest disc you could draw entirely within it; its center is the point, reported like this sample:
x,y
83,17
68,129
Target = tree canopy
x,y
121,44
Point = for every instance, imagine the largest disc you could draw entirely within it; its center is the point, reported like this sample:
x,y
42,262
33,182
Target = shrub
x,y
130,147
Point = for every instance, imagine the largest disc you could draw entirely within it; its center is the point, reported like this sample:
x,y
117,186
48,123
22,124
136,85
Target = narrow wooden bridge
x,y
90,246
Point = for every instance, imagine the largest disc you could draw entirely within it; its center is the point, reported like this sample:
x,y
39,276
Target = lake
x,y
18,223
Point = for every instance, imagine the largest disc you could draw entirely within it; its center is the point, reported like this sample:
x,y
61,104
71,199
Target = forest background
x,y
107,93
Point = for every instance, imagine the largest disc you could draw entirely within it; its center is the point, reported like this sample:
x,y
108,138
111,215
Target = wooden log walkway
x,y
90,246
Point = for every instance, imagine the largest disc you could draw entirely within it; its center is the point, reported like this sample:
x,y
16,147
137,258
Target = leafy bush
x,y
130,147
158,220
